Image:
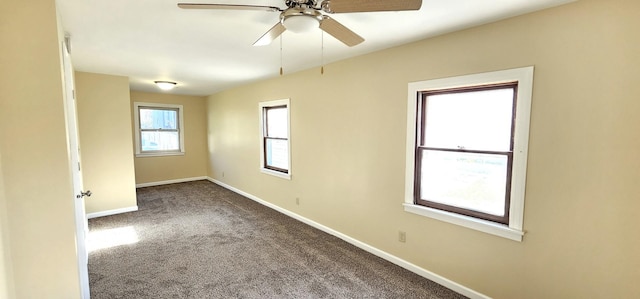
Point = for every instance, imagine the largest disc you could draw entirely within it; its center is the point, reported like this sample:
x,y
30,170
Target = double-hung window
x,y
159,129
275,155
467,150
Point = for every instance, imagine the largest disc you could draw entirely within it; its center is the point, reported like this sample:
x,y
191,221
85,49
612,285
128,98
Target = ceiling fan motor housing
x,y
294,3
324,5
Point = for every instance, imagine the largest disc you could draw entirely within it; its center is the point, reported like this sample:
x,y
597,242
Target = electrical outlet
x,y
223,174
402,237
297,201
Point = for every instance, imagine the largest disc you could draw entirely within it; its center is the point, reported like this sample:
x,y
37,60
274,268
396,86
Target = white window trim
x,y
524,76
262,105
136,123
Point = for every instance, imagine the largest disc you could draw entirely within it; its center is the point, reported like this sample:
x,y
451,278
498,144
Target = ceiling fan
x,y
302,15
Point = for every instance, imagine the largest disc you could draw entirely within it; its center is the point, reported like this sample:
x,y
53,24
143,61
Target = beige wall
x,y
6,274
38,193
194,162
106,141
348,152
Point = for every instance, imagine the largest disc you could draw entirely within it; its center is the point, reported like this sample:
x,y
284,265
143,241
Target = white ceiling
x,y
207,51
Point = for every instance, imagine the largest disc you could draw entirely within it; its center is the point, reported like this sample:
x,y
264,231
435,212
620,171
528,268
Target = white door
x,y
82,227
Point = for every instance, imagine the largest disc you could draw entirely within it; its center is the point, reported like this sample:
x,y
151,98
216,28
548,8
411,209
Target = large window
x,y
467,150
159,129
275,155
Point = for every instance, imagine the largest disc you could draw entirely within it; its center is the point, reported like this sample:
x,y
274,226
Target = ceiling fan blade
x,y
227,6
339,6
340,32
272,34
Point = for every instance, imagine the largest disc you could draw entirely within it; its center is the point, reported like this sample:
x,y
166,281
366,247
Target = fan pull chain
x,y
281,71
322,53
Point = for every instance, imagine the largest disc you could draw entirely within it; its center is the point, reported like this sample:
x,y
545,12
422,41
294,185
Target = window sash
x,y
175,110
171,141
422,107
504,219
267,154
267,132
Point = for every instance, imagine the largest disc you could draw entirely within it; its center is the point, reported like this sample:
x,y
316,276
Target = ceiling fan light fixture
x,y
165,85
300,23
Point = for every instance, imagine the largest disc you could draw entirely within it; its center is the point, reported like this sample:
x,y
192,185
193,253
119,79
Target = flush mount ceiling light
x,y
165,85
301,20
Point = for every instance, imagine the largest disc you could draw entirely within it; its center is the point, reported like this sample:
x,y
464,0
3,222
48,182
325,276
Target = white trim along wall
x,y
135,208
112,212
167,182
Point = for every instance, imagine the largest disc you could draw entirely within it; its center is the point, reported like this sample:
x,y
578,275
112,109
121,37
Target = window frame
x,y
420,149
520,138
263,108
138,130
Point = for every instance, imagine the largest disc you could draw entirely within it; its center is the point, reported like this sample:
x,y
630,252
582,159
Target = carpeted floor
x,y
199,240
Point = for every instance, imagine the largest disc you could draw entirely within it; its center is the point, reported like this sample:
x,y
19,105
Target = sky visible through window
x,y
479,120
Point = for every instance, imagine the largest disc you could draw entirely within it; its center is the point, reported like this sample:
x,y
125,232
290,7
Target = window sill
x,y
466,221
285,176
160,154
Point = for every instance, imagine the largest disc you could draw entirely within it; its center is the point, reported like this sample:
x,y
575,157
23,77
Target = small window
x,y
159,129
467,150
275,155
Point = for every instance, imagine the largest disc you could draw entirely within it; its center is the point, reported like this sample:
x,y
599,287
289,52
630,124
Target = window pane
x,y
478,120
277,122
277,152
151,119
160,141
466,180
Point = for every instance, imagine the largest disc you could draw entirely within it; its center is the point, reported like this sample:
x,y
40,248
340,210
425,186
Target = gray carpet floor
x,y
199,240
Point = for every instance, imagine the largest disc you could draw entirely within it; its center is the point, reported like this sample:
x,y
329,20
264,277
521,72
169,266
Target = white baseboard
x,y
199,178
112,212
366,247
